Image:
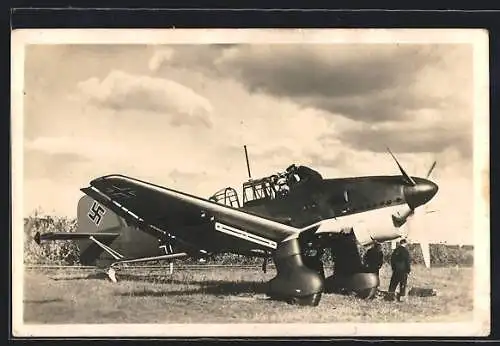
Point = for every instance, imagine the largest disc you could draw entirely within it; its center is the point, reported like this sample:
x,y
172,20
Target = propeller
x,y
430,170
407,178
417,193
420,238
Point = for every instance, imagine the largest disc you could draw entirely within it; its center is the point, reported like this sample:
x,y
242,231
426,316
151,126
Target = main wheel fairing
x,y
294,281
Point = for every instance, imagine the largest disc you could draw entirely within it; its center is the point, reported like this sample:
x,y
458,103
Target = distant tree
x,y
57,252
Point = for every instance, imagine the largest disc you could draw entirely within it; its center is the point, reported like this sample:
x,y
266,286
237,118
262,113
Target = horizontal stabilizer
x,y
73,236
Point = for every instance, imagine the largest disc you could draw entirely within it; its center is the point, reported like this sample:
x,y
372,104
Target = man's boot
x,y
390,296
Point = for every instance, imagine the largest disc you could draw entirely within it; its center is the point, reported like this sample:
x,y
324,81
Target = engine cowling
x,y
363,235
367,226
377,226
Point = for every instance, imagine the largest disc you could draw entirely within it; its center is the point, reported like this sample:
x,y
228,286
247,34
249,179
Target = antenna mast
x,y
248,164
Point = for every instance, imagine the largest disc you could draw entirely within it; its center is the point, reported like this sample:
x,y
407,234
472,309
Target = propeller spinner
x,y
417,191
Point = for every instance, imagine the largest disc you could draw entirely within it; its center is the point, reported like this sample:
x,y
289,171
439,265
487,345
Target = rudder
x,y
93,217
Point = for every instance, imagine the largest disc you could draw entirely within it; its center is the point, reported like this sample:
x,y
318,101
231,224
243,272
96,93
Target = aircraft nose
x,y
420,193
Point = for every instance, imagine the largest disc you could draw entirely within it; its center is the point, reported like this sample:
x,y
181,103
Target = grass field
x,y
228,295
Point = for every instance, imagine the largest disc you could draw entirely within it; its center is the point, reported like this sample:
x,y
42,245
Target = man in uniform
x,y
401,267
374,258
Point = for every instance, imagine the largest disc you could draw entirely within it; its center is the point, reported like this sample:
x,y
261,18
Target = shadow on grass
x,y
219,287
167,279
212,287
45,301
98,276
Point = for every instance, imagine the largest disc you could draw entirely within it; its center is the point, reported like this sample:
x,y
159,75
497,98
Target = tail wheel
x,y
367,293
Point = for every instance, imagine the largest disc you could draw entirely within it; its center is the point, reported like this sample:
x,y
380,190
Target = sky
x,y
179,115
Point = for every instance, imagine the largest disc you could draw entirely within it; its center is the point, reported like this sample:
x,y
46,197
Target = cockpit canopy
x,y
227,196
278,185
274,186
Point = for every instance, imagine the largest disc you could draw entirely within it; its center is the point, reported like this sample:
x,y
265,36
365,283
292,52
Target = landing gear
x,y
294,283
349,276
111,274
362,285
312,300
367,293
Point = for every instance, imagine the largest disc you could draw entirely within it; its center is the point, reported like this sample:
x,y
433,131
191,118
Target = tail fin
x,y
103,237
93,217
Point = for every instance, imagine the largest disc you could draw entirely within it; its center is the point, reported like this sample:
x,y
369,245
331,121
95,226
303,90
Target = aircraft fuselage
x,y
340,199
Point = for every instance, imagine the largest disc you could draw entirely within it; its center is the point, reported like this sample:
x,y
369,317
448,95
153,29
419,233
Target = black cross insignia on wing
x,y
116,192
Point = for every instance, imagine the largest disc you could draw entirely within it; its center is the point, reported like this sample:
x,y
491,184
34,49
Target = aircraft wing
x,y
165,211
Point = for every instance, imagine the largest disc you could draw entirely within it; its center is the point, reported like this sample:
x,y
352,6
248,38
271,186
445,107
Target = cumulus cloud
x,y
189,57
412,136
414,97
337,78
296,71
122,91
160,58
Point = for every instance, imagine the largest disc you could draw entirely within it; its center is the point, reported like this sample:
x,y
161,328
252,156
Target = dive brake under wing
x,y
163,212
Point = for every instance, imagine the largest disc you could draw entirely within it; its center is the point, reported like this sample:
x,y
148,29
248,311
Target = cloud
x,y
292,71
160,58
402,94
189,57
56,165
73,160
123,91
79,147
362,82
427,133
81,158
332,160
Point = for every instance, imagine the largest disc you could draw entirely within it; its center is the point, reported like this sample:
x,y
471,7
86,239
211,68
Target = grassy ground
x,y
228,295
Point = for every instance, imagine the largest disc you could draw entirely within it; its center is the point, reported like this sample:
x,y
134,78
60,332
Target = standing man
x,y
374,258
401,267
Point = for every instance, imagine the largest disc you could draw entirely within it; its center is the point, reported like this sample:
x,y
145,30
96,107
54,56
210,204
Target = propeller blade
x,y
418,216
426,253
431,169
403,172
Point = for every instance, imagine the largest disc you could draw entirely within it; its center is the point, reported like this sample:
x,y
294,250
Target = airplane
x,y
280,217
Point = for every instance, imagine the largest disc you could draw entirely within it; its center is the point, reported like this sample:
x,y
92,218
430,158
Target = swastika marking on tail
x,y
96,212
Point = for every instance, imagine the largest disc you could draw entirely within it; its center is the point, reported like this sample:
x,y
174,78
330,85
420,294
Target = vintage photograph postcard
x,y
208,183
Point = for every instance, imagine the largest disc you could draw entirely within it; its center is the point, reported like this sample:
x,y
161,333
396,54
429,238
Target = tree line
x,y
66,252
